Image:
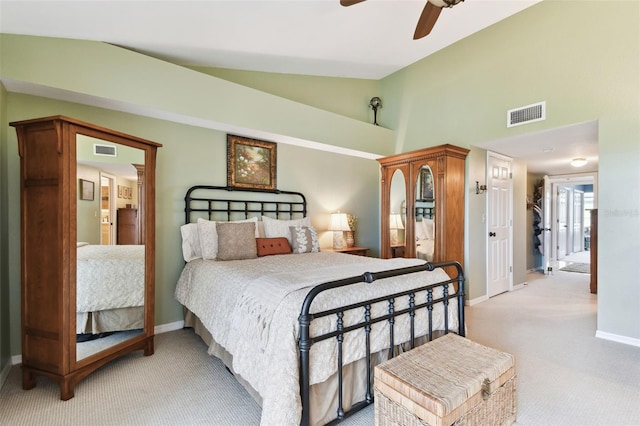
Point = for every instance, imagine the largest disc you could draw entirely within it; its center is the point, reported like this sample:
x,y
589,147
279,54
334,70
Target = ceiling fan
x,y
428,17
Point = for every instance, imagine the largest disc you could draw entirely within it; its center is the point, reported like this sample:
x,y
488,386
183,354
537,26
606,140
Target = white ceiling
x,y
314,37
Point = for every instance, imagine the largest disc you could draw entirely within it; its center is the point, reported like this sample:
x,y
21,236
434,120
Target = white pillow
x,y
428,225
190,242
209,236
274,228
420,235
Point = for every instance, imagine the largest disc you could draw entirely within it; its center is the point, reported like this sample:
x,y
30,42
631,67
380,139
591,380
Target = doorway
x,y
573,198
107,209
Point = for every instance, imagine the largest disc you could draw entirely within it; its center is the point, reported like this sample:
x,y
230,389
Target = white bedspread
x,y
251,308
109,277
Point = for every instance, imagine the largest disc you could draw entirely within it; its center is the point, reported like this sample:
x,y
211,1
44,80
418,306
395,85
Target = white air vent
x,y
107,150
526,114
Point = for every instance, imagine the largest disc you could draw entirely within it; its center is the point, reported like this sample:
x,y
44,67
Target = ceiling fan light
x,y
578,162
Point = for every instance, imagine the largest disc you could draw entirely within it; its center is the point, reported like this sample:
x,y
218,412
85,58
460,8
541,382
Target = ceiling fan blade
x,y
350,2
427,20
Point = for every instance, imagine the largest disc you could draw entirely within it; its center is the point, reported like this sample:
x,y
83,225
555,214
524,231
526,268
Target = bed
x,y
109,288
301,328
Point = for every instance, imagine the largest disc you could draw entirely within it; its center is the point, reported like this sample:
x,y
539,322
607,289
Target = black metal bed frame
x,y
232,208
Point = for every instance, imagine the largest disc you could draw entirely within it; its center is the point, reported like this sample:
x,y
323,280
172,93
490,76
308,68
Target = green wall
x,y
348,97
5,329
583,59
189,156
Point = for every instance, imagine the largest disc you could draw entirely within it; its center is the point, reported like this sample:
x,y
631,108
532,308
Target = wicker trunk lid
x,y
442,380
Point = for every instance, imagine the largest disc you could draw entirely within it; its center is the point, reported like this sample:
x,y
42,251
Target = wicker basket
x,y
450,380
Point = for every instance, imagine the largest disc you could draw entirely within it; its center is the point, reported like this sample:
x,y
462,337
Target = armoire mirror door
x,y
424,210
109,293
394,195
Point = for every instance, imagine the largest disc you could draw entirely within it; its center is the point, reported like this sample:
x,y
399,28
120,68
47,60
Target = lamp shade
x,y
339,222
395,221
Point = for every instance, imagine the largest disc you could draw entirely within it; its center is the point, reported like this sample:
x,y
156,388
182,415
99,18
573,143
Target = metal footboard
x,y
306,341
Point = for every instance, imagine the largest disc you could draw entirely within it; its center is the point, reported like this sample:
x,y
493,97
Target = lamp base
x,y
338,240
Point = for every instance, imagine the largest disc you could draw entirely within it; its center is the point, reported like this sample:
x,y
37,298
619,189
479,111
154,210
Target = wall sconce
x,y
375,103
480,188
338,225
395,223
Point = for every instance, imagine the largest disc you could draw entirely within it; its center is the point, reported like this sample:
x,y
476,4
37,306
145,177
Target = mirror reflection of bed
x,y
110,277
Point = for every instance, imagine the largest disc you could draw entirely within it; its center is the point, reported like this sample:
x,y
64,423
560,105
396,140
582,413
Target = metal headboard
x,y
424,213
225,203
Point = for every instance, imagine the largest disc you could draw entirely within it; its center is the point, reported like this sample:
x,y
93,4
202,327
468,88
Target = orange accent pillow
x,y
269,246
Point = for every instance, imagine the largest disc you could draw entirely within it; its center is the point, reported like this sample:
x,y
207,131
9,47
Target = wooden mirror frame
x,y
47,148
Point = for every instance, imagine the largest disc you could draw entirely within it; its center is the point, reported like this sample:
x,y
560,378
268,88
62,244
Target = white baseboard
x,y
4,372
617,338
519,286
476,300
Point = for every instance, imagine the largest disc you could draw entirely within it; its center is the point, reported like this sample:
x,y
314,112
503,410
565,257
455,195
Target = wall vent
x,y
107,150
526,114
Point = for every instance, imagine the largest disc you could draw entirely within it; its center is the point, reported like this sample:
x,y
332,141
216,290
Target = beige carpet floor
x,y
566,376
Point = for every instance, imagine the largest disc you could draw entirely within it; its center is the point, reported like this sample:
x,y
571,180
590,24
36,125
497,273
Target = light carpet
x,y
566,376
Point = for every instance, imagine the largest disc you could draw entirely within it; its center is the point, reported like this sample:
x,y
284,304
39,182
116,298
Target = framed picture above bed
x,y
251,163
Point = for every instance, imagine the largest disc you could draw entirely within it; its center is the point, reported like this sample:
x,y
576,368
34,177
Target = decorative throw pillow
x,y
269,246
191,248
280,228
236,241
305,239
209,237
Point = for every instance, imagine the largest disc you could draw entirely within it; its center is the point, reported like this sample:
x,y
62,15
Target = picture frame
x,y
87,189
251,163
119,191
426,184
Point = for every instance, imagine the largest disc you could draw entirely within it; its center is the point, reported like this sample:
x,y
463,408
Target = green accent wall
x,y
348,97
583,59
5,329
190,156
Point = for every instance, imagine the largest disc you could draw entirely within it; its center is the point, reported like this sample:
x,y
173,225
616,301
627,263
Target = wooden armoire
x,y
51,201
445,198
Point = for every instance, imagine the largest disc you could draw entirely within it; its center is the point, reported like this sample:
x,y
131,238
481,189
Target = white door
x,y
546,226
499,224
578,225
563,215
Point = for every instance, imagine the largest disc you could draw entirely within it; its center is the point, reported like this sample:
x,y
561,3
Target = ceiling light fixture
x,y
578,162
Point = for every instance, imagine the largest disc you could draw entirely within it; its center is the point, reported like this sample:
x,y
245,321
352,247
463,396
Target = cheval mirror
x,y
88,247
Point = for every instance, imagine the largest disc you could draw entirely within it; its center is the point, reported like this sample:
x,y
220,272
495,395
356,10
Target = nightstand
x,y
358,251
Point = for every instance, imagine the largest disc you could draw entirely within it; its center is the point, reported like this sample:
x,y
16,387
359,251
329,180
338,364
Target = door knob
x,y
492,234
